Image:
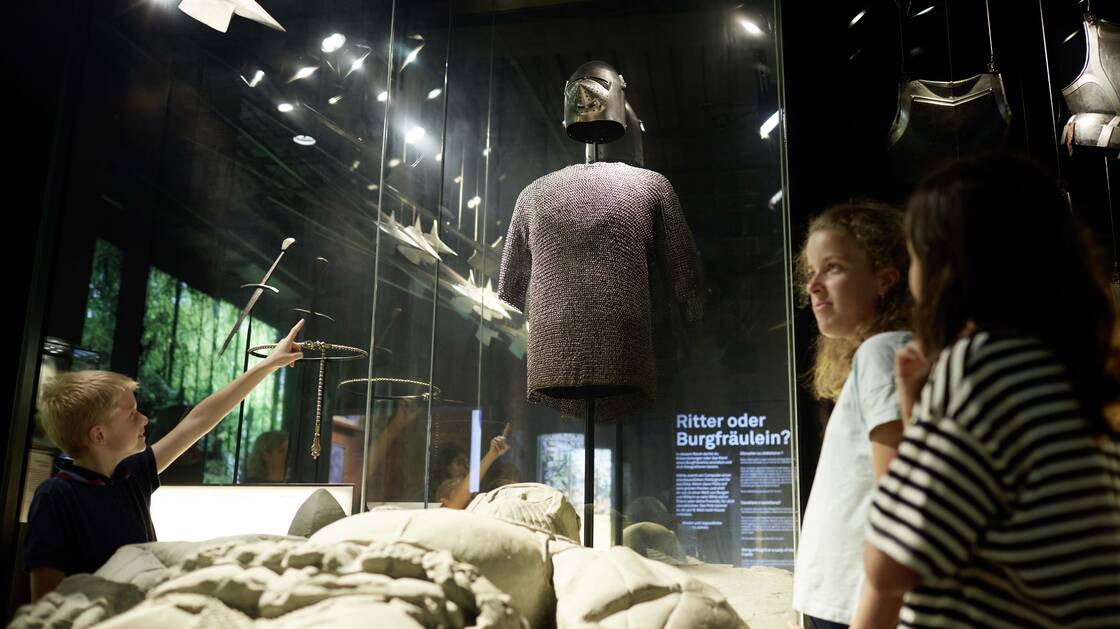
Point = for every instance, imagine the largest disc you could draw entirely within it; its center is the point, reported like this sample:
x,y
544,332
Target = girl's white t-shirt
x,y
828,571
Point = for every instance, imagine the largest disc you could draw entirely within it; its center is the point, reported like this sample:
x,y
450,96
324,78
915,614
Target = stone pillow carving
x,y
619,588
653,541
534,504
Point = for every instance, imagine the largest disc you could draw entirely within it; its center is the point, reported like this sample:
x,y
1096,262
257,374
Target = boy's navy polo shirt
x,y
79,518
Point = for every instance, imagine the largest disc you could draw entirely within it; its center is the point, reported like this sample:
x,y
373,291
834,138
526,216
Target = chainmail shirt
x,y
577,260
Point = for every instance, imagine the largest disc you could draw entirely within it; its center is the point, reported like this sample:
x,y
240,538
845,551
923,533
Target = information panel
x,y
734,485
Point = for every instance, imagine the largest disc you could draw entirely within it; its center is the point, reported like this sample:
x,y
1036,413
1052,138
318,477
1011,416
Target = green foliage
x,y
179,364
101,305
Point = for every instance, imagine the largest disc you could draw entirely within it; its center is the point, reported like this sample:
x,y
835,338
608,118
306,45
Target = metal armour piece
x,y
1094,96
1101,130
627,149
594,104
577,262
938,121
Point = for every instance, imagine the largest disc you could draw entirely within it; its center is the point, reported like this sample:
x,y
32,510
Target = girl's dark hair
x,y
998,245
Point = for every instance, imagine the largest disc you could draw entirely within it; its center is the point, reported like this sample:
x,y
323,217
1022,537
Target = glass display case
x,y
359,165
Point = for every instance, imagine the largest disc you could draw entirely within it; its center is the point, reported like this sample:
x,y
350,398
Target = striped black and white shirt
x,y
1001,498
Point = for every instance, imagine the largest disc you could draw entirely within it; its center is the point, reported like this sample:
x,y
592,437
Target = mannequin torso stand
x,y
589,394
596,113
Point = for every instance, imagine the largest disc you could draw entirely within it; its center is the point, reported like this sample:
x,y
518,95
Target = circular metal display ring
x,y
419,388
351,353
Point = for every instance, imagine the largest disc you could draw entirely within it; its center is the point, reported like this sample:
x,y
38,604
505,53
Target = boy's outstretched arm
x,y
210,411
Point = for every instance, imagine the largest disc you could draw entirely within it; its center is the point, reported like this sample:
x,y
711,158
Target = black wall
x,y
841,94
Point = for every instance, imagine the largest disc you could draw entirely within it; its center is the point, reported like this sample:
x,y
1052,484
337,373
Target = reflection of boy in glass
x,y
268,457
455,492
387,454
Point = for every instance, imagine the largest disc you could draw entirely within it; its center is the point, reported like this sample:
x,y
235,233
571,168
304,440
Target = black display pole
x,y
241,407
616,493
589,474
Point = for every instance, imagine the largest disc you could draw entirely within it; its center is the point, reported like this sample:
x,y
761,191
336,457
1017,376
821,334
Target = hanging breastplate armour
x,y
1094,96
938,121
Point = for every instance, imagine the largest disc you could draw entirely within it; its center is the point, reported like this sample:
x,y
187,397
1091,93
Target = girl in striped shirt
x,y
1002,506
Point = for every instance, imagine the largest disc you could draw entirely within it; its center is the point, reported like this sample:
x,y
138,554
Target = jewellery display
x,y
321,347
421,388
317,346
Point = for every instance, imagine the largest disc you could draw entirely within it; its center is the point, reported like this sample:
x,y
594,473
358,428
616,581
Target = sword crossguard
x,y
263,287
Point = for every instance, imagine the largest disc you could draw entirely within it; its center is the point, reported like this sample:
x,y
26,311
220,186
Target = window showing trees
x,y
101,305
180,366
179,361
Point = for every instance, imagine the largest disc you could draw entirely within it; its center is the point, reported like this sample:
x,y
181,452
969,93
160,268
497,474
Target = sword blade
x,y
252,302
244,313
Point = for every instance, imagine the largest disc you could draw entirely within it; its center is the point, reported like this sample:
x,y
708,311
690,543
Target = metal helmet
x,y
594,104
627,149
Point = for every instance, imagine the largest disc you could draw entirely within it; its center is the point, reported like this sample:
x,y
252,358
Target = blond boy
x,y
100,500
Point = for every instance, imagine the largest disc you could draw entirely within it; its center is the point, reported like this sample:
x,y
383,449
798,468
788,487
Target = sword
x,y
288,242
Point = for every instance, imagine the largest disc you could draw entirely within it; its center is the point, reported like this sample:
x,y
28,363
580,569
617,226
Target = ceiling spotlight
x,y
439,157
284,107
334,99
304,140
434,93
258,76
413,135
925,10
750,27
486,152
333,43
357,65
393,163
372,186
770,124
776,199
412,56
475,200
303,73
858,17
355,165
382,97
458,179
